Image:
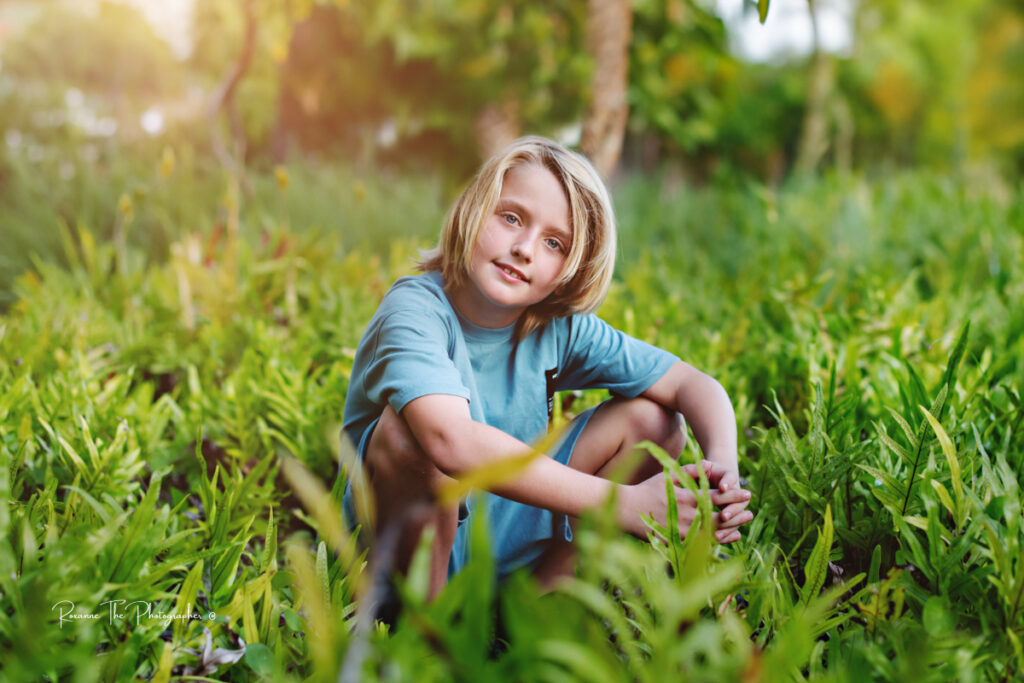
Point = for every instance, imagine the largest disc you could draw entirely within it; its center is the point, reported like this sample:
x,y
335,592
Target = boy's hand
x,y
725,479
648,497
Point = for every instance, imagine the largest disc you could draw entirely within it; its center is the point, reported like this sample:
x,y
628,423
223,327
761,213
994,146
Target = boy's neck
x,y
472,306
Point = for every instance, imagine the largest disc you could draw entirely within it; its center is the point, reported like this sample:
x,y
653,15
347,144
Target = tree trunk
x,y
496,126
223,100
609,31
814,136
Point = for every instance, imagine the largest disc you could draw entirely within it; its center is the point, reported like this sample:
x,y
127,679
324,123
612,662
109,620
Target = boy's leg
x,y
606,443
605,448
404,483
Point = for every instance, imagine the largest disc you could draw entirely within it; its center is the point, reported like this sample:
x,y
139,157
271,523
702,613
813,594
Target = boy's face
x,y
520,250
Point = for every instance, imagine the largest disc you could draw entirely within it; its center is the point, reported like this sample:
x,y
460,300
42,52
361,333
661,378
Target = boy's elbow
x,y
717,387
707,383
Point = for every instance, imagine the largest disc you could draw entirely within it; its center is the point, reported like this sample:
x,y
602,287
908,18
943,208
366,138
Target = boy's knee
x,y
662,426
394,454
393,436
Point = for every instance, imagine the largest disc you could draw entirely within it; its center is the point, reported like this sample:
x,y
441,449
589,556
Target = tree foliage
x,y
110,50
417,76
431,83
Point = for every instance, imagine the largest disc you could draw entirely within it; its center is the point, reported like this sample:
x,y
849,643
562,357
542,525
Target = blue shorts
x,y
519,533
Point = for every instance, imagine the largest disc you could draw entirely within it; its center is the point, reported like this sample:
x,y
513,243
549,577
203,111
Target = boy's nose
x,y
523,248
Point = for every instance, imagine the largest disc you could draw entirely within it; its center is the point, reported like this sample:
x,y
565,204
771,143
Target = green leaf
x,y
896,448
910,541
904,425
98,508
762,10
75,459
293,620
1018,651
326,513
817,565
28,547
577,659
188,598
939,403
675,541
888,481
876,563
260,658
173,541
944,498
937,618
954,465
936,548
90,444
949,376
269,559
223,574
166,664
321,571
917,393
133,553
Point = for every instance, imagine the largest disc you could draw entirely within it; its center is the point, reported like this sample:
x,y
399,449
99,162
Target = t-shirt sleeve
x,y
409,358
599,356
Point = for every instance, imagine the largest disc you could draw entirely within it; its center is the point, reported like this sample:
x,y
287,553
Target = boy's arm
x,y
706,407
455,443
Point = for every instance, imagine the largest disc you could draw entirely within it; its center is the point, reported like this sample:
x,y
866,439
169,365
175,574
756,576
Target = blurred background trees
x,y
91,91
427,83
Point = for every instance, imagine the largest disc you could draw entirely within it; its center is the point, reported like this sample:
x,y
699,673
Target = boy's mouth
x,y
510,271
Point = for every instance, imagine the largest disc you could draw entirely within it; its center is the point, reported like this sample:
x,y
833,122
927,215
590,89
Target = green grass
x,y
173,190
169,434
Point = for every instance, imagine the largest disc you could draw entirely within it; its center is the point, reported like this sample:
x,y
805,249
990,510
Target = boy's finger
x,y
712,470
688,470
728,481
730,511
694,473
724,479
737,518
728,536
730,497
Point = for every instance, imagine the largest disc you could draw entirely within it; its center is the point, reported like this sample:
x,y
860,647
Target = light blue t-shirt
x,y
418,344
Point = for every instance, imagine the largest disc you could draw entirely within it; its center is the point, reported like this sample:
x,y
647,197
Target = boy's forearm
x,y
705,406
457,444
544,483
710,414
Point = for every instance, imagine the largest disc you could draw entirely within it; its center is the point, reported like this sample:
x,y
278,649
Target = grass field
x,y
169,435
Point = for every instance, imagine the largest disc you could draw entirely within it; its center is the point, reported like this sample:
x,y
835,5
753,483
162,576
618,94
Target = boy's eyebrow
x,y
520,208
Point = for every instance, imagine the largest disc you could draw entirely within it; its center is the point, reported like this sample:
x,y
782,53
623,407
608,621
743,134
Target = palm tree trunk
x,y
609,30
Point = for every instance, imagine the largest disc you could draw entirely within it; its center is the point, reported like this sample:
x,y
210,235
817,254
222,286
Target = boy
x,y
459,365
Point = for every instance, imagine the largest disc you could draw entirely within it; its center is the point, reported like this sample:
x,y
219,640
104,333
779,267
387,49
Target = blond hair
x,y
584,279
